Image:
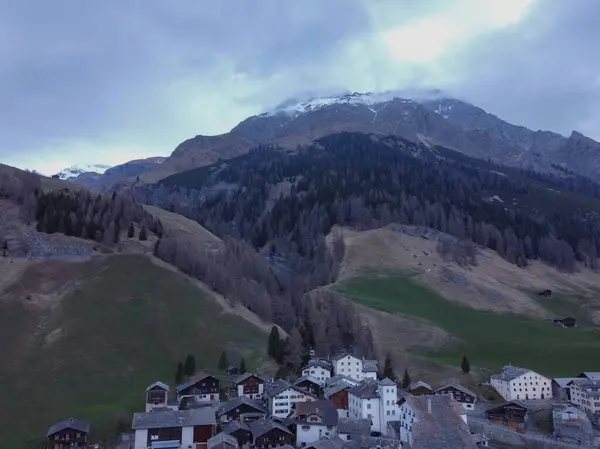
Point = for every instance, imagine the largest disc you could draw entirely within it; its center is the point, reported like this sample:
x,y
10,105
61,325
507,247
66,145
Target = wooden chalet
x,y
309,384
511,414
156,395
222,441
250,385
267,433
203,386
338,394
240,431
419,388
68,433
462,395
243,409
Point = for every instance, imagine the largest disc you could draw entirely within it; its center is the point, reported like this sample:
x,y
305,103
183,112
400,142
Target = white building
x,y
280,396
428,418
174,429
521,383
314,420
376,401
585,394
353,367
318,369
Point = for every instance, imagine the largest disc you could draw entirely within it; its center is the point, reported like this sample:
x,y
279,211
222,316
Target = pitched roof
x,y
365,390
341,377
328,442
324,409
318,362
222,441
241,400
441,428
336,388
458,387
417,384
563,382
341,355
194,380
518,403
591,387
369,366
235,425
245,376
69,423
174,418
354,426
276,387
509,373
159,384
306,378
262,426
591,375
387,382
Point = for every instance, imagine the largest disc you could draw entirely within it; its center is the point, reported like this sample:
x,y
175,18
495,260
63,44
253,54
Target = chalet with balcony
x,y
309,384
240,431
249,385
465,397
267,433
202,387
241,409
419,388
169,429
512,414
68,433
156,396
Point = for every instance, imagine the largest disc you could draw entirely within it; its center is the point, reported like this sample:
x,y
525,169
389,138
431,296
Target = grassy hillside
x,y
123,325
489,339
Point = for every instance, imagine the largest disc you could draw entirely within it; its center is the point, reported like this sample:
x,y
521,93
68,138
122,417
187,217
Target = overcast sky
x,y
106,81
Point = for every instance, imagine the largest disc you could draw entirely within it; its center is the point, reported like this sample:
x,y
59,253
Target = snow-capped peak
x,y
75,170
295,108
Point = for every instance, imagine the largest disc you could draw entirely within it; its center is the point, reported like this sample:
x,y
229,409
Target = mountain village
x,y
340,402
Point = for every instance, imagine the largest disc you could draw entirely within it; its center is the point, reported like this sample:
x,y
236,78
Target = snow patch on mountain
x,y
369,99
75,170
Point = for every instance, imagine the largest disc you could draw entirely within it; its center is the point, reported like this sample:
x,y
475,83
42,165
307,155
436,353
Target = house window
x,y
368,405
387,412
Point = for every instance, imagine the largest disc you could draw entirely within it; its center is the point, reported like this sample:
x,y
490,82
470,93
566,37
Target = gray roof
x,y
341,355
241,400
369,366
174,418
194,380
591,375
419,383
276,387
365,390
335,388
304,378
563,382
262,426
234,425
69,423
591,387
387,382
443,428
518,403
245,376
328,442
318,362
509,373
222,441
159,384
324,409
457,386
341,377
354,426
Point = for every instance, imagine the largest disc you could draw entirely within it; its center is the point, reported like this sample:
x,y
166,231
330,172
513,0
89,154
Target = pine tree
x,y
179,374
143,236
388,369
243,365
406,379
131,231
276,347
189,367
223,362
465,365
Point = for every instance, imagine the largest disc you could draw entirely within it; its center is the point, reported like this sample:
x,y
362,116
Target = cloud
x,y
104,80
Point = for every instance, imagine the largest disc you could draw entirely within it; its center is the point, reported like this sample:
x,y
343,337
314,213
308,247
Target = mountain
x,y
453,123
111,177
74,171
